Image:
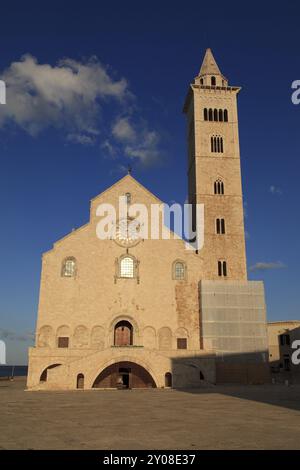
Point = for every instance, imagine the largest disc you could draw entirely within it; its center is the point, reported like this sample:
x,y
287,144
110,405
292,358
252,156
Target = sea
x,y
13,371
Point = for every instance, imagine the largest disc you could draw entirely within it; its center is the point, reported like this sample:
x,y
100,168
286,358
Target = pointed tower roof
x,y
209,65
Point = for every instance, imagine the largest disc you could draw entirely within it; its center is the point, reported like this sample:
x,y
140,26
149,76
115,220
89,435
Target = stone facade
x,y
98,327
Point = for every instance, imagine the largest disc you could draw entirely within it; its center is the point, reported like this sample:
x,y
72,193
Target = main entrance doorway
x,y
124,375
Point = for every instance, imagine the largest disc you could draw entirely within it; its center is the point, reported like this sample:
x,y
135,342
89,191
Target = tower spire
x,y
209,65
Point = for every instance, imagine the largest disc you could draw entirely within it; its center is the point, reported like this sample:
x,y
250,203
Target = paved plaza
x,y
221,417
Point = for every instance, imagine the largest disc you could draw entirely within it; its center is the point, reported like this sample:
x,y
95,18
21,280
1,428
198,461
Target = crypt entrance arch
x,y
124,375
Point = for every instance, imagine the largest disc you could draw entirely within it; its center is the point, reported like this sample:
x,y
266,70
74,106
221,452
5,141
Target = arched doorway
x,y
168,379
44,374
123,334
80,381
124,375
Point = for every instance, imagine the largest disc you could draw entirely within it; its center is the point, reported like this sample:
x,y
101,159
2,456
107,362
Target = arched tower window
x,y
221,115
213,81
68,267
216,144
225,115
205,114
222,268
220,226
210,114
216,115
218,187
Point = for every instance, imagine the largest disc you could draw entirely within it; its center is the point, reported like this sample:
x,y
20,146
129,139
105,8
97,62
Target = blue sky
x,y
144,55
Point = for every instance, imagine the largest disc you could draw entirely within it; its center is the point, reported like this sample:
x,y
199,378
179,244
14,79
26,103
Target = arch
x,y
181,333
80,381
205,114
69,267
168,379
81,337
115,320
179,270
123,333
149,337
221,115
216,115
97,337
127,267
225,115
43,376
219,186
165,338
45,337
213,81
124,374
210,114
63,336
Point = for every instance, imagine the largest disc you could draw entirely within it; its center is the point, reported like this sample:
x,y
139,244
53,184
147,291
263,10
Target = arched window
x,y
225,115
179,270
219,186
205,114
127,267
222,268
220,115
201,81
80,381
210,114
220,226
68,267
123,334
128,198
213,81
216,144
168,379
216,115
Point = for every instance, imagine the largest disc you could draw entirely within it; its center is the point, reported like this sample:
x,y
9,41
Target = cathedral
x,y
125,312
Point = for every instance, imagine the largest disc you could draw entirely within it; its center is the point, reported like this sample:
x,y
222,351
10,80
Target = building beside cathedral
x,y
149,312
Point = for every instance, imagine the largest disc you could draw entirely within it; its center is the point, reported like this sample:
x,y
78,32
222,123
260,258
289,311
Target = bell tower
x,y
214,173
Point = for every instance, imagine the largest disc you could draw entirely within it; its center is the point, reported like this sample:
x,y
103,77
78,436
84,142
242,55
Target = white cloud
x,y
275,190
123,130
82,139
263,266
67,95
73,97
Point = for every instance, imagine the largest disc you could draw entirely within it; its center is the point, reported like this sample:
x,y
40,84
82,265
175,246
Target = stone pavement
x,y
222,417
